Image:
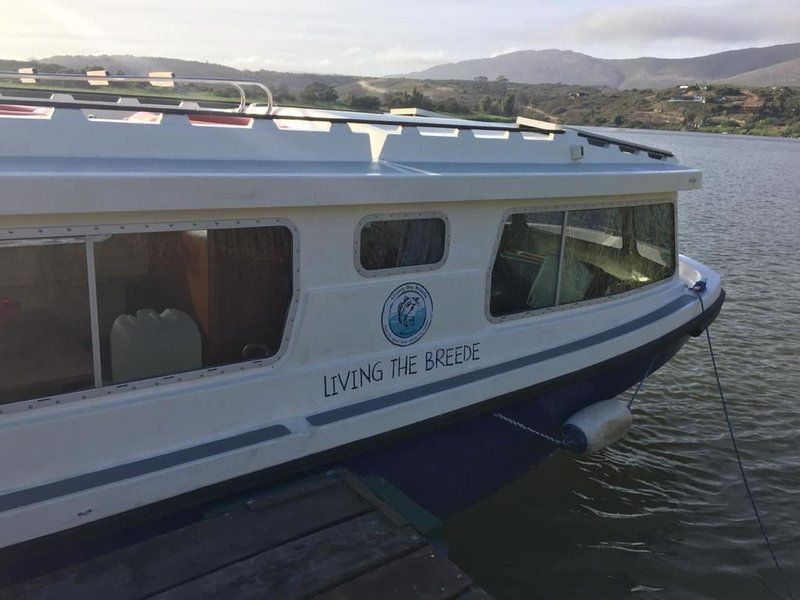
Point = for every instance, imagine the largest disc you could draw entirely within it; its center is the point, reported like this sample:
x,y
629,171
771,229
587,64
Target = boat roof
x,y
306,156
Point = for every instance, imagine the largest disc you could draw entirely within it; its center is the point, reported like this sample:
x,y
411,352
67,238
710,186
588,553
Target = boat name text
x,y
400,366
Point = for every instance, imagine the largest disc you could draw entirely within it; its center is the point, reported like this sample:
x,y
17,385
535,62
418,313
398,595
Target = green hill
x,y
722,107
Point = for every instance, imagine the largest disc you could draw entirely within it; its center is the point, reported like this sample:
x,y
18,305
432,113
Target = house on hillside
x,y
688,98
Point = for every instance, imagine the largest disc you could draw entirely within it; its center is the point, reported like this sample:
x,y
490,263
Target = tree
x,y
281,93
481,84
508,104
485,105
319,92
362,102
415,99
452,106
500,85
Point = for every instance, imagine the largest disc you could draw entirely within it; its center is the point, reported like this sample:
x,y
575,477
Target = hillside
x,y
532,66
725,107
564,66
783,74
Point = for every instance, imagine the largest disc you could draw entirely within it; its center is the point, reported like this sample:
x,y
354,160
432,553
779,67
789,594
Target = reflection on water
x,y
663,514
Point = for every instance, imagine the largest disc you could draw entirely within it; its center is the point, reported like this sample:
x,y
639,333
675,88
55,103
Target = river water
x,y
663,513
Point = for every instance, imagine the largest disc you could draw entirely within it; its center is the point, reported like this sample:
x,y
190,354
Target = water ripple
x,y
664,512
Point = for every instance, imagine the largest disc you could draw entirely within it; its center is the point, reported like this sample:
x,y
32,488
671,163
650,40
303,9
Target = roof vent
x,y
97,77
27,71
526,123
416,112
162,79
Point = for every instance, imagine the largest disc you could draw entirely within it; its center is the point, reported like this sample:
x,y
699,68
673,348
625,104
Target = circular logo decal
x,y
407,314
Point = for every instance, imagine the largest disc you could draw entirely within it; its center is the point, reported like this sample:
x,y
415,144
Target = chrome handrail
x,y
238,84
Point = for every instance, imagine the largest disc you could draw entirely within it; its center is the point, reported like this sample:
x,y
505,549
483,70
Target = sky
x,y
378,37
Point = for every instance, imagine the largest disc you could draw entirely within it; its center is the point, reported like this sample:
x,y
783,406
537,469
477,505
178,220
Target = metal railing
x,y
30,79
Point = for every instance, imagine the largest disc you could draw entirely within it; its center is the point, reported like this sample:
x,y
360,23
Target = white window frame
x,y
400,216
566,208
91,231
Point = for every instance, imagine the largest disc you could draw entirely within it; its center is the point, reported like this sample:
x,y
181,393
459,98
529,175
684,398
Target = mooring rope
x,y
544,436
699,288
646,375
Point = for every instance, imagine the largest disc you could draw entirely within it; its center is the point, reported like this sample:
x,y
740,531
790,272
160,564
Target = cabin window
x,y
547,259
525,270
177,301
390,242
45,330
608,251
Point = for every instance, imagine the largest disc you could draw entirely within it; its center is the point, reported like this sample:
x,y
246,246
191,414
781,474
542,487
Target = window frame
x,y
399,216
88,232
566,208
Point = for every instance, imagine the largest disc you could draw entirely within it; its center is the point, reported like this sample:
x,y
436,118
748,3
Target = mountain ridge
x,y
777,65
569,67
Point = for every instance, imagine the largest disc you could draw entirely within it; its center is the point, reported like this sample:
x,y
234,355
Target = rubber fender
x,y
597,426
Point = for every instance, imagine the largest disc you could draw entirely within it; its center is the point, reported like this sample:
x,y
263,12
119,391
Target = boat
x,y
200,295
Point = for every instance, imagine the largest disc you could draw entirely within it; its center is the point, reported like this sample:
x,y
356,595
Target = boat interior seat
x,y
542,292
576,279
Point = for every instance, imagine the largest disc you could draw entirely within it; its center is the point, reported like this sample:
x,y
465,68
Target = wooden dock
x,y
329,538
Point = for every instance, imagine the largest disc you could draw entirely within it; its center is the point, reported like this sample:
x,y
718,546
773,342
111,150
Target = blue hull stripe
x,y
360,408
145,466
94,479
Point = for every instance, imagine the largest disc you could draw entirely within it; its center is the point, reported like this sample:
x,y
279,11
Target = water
x,y
663,514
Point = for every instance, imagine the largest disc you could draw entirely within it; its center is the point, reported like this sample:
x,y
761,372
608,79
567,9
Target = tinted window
x,y
613,250
45,331
526,266
398,243
183,300
606,251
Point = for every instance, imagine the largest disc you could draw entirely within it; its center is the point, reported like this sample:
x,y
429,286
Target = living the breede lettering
x,y
352,379
449,357
399,366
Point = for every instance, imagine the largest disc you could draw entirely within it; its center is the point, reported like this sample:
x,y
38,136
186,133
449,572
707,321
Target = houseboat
x,y
199,293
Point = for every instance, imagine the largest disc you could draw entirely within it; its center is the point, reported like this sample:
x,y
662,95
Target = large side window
x,y
606,251
525,270
401,243
45,331
183,300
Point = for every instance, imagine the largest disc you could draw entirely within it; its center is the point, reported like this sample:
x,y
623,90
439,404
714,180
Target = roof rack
x,y
28,76
414,117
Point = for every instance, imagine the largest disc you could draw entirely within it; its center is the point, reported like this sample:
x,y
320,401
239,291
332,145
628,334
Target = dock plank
x,y
157,564
421,575
327,538
307,566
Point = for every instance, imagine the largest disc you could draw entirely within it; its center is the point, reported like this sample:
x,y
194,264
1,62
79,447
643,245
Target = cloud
x,y
373,37
393,59
400,56
732,24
